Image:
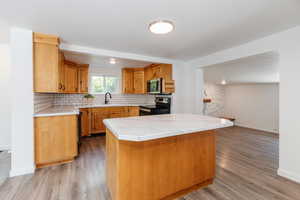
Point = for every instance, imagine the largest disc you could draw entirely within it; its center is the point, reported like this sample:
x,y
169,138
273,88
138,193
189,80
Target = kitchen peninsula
x,y
160,157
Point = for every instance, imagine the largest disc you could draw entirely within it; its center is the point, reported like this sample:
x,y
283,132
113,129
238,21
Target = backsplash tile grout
x,y
43,100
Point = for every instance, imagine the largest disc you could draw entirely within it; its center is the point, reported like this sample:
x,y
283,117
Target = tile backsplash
x,y
43,100
78,99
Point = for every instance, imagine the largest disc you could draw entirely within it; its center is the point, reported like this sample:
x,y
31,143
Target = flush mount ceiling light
x,y
161,27
223,82
112,61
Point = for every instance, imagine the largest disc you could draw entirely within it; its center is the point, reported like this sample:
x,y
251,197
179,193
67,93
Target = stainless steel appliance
x,y
155,86
162,106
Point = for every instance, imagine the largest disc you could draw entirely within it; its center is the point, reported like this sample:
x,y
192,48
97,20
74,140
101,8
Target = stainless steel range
x,y
162,106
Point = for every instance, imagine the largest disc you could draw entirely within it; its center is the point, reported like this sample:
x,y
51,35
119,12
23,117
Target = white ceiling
x,y
103,61
262,68
201,26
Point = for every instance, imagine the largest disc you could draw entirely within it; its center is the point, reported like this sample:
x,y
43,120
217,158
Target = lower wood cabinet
x,y
92,118
133,111
55,139
97,117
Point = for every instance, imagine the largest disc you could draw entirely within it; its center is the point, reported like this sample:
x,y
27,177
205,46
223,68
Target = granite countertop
x,y
74,110
145,128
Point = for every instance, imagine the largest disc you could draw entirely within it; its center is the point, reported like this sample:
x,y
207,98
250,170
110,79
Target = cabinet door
x,y
46,63
138,82
83,79
85,122
118,112
127,81
98,115
71,78
55,139
61,85
133,111
156,72
166,71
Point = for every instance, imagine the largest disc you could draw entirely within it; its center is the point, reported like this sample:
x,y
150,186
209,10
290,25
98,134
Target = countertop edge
x,y
162,135
76,109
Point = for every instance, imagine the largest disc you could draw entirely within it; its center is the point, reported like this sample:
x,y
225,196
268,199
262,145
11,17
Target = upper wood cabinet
x,y
135,79
139,81
54,74
127,81
71,77
46,63
83,78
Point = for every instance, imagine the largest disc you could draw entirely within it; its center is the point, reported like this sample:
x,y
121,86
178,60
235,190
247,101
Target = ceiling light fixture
x,y
161,27
112,61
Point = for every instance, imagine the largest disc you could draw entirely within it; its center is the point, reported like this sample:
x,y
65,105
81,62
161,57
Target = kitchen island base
x,y
164,168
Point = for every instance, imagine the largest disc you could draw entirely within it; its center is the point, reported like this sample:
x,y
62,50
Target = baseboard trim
x,y
21,171
256,128
289,175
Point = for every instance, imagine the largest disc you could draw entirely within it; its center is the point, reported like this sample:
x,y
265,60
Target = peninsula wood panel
x,y
161,168
55,139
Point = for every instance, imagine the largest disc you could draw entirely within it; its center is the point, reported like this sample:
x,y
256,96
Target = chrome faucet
x,y
106,101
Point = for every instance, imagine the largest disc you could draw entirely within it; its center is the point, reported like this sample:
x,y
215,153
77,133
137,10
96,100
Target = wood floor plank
x,y
247,161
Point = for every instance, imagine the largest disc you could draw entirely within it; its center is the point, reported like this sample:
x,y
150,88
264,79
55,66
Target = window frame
x,y
118,89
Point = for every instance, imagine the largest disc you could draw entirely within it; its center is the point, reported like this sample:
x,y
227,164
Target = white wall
x,y
216,93
287,44
253,105
22,102
5,103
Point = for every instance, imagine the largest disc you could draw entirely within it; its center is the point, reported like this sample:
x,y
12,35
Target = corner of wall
x,y
288,175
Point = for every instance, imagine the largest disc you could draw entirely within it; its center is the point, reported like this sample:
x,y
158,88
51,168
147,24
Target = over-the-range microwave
x,y
155,86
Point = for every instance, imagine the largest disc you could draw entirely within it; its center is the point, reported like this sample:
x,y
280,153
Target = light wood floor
x,y
247,161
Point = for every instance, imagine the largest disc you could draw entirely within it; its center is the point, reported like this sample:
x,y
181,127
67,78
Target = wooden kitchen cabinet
x,y
133,111
127,81
85,122
55,139
54,74
97,117
83,78
71,77
135,79
92,118
46,63
138,81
